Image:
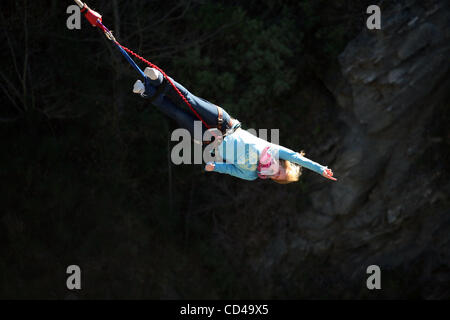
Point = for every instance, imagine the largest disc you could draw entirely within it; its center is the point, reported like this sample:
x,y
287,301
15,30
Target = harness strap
x,y
219,118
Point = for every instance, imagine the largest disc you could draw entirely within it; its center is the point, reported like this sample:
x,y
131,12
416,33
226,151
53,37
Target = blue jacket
x,y
241,151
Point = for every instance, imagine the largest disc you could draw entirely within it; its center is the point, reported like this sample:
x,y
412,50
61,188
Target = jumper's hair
x,y
293,171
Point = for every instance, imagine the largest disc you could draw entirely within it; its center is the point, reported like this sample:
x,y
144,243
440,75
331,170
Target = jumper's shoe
x,y
139,87
154,75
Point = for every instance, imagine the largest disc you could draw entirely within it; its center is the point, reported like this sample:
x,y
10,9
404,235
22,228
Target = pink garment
x,y
268,163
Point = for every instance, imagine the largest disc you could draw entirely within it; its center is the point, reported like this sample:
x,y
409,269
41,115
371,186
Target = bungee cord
x,y
95,19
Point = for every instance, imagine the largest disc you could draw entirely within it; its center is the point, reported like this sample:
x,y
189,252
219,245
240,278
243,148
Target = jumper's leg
x,y
207,110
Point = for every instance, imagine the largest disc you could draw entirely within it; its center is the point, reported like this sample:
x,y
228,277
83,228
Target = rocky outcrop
x,y
394,81
390,206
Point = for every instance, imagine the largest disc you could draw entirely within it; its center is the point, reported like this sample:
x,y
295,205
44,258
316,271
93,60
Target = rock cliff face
x,y
390,206
393,195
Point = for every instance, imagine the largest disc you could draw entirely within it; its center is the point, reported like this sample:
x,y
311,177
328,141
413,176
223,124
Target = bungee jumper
x,y
250,157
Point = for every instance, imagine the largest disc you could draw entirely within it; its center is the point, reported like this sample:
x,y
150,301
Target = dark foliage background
x,y
85,172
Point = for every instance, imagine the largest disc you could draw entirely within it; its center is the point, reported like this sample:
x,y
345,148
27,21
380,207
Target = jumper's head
x,y
287,173
279,170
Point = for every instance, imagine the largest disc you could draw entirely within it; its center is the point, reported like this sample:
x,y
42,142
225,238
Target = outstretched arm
x,y
295,157
228,168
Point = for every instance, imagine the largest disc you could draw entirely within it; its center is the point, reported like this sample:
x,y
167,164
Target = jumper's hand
x,y
210,166
327,173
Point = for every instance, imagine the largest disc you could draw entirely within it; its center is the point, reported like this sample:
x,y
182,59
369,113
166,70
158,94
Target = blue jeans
x,y
170,103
